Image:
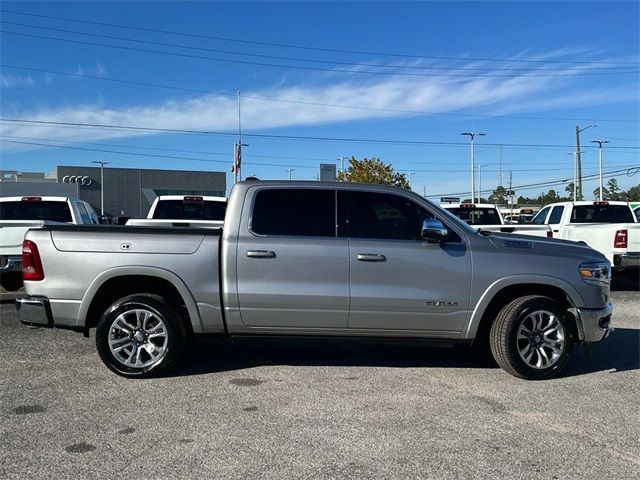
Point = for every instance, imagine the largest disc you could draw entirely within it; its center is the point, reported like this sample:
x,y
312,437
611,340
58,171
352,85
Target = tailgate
x,y
12,234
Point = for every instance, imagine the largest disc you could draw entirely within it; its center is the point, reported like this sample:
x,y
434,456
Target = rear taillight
x,y
31,264
620,240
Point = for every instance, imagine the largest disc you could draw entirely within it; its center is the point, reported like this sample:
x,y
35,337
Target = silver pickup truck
x,y
317,259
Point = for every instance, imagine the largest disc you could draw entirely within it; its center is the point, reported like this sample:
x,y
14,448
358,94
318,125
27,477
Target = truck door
x,y
400,282
293,270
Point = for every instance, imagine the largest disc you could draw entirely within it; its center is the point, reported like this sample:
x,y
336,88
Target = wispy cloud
x,y
389,97
97,70
10,81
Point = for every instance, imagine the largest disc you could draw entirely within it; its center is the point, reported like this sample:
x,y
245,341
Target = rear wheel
x,y
140,336
531,338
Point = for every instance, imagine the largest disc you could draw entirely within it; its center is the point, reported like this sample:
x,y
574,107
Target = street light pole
x,y
290,170
600,143
472,135
102,164
341,160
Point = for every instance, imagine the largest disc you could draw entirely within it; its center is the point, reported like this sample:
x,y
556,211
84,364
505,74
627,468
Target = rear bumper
x,y
594,325
626,260
10,263
34,312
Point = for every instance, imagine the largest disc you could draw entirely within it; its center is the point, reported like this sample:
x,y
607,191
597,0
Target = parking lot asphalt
x,y
302,409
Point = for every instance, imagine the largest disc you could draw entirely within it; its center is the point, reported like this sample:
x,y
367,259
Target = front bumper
x,y
594,324
626,260
34,312
10,263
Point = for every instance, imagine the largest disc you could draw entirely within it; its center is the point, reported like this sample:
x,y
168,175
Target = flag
x,y
237,158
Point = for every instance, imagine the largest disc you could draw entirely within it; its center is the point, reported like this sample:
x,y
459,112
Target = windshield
x,y
179,209
477,215
601,214
36,210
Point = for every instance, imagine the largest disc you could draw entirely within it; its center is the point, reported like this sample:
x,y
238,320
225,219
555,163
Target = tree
x,y
605,193
499,195
633,194
614,190
372,170
569,190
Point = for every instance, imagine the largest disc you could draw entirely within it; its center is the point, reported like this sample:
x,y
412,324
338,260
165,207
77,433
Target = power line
x,y
304,47
300,102
297,137
297,59
300,67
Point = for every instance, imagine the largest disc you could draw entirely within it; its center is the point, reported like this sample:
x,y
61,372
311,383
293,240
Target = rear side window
x,y
556,215
36,210
601,214
190,210
84,214
298,212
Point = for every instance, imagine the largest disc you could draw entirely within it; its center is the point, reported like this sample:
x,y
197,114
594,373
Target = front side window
x,y
541,216
295,211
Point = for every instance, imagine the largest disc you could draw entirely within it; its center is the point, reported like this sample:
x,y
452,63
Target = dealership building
x,y
127,191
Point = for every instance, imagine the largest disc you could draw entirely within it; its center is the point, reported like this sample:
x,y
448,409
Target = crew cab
x,y
317,259
18,214
607,226
185,211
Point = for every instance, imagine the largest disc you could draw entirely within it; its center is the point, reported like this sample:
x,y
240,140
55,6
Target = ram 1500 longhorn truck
x,y
323,259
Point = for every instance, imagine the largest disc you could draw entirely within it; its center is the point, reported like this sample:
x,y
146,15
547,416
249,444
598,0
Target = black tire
x,y
173,336
506,346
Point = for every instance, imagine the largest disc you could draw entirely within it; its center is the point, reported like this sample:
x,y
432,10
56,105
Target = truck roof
x,y
44,198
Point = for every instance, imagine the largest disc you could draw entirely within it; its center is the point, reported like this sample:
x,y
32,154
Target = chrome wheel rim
x,y
541,339
138,338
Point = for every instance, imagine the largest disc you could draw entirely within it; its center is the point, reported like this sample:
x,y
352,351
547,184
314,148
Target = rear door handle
x,y
261,254
371,257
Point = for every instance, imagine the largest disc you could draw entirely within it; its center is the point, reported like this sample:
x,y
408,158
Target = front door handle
x,y
261,254
371,257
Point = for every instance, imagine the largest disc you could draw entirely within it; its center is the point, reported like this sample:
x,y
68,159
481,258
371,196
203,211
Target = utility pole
x,y
102,164
237,150
290,170
500,168
600,143
479,182
575,174
579,159
510,190
424,190
472,135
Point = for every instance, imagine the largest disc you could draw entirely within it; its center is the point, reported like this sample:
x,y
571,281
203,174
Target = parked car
x,y
317,259
18,214
607,226
185,211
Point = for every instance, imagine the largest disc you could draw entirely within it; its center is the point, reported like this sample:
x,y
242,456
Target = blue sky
x,y
512,70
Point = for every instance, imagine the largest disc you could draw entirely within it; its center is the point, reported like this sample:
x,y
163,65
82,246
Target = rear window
x,y
601,214
477,216
38,210
190,210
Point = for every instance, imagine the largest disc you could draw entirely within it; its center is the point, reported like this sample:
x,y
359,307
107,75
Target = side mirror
x,y
434,231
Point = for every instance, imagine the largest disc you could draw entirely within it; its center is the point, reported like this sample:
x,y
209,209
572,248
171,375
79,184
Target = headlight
x,y
595,273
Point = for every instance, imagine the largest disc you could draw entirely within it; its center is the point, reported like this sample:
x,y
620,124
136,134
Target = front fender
x,y
471,328
177,282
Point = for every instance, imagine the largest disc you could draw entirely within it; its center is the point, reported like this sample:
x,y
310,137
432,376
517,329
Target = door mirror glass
x,y
434,231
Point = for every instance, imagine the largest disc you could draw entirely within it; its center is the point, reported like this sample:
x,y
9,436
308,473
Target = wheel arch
x,y
119,282
507,289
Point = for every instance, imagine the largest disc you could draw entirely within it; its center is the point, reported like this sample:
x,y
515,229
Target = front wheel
x,y
531,338
140,336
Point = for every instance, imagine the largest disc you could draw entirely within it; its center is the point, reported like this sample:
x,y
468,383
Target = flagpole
x,y
238,167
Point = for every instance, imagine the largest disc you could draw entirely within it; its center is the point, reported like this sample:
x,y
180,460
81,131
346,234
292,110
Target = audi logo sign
x,y
77,179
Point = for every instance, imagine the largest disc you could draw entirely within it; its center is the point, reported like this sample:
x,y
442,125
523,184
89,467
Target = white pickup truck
x,y
184,211
19,214
608,227
487,217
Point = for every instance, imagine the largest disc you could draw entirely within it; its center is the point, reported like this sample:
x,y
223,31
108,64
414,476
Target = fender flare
x,y
471,328
126,271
